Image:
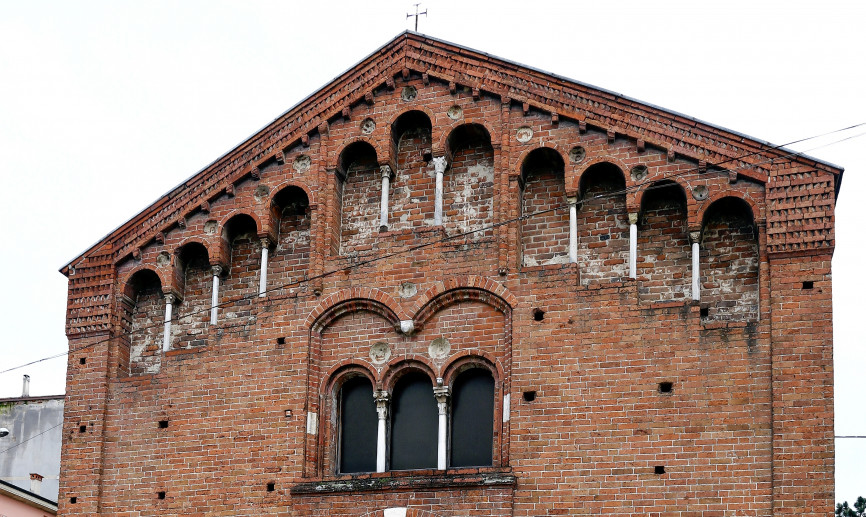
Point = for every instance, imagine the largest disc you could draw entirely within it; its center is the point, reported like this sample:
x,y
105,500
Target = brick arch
x,y
339,373
311,197
423,109
381,153
397,367
573,183
356,298
208,246
460,288
521,159
636,199
160,273
756,210
440,144
241,211
454,364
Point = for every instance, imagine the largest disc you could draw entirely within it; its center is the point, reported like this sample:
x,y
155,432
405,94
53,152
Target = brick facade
x,y
612,394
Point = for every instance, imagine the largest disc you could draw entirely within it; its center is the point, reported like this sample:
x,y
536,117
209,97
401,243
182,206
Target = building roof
x,y
458,65
27,497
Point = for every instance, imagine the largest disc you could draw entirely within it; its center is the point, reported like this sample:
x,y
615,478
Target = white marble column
x,y
572,230
439,163
216,271
442,393
166,336
632,245
381,398
696,265
386,185
263,275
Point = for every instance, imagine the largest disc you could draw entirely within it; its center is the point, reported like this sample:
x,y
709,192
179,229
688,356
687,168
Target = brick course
x,y
746,428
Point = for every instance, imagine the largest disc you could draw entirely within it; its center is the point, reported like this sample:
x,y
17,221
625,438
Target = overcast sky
x,y
105,106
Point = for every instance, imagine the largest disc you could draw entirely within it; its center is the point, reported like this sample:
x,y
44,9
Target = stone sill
x,y
568,268
408,480
712,325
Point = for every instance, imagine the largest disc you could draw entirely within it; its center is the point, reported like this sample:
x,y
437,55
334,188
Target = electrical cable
x,y
457,236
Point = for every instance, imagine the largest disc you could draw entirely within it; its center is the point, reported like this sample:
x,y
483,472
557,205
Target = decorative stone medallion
x,y
439,348
455,112
380,352
210,227
408,290
577,154
409,93
368,125
302,163
639,172
163,259
524,134
261,192
700,192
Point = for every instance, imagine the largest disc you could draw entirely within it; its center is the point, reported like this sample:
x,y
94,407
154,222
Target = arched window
x,y
413,423
357,426
472,419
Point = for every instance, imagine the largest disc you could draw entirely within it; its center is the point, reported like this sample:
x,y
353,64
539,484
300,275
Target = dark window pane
x,y
414,421
472,419
357,426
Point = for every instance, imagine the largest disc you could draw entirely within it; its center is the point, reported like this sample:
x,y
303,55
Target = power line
x,y
32,437
457,236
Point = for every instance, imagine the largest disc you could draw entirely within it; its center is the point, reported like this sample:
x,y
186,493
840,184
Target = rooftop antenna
x,y
416,15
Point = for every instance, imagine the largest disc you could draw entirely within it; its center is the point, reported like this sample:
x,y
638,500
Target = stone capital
x,y
266,242
386,171
440,163
216,270
695,237
632,218
381,398
170,298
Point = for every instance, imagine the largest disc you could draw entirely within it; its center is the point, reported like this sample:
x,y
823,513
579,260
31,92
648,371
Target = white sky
x,y
105,106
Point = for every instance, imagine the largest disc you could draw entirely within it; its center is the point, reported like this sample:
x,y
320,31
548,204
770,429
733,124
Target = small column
x,y
386,185
263,275
166,337
632,245
381,398
442,393
572,230
696,265
215,293
439,163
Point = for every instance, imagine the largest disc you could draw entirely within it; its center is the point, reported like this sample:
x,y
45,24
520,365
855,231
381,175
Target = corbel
x,y
230,190
280,157
733,176
425,78
505,100
389,82
324,128
255,172
452,87
346,112
181,223
672,155
476,94
159,238
525,109
554,118
702,166
641,145
581,126
368,98
405,73
136,254
305,140
611,136
205,207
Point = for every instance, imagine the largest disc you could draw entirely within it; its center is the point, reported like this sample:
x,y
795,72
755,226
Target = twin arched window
x,y
411,423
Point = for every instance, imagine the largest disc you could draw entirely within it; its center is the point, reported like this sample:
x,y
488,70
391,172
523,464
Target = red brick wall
x,y
746,429
544,238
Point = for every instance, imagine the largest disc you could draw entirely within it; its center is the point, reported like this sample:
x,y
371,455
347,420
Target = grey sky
x,y
104,106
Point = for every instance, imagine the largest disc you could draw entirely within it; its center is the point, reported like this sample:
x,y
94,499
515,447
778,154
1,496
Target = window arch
x,y
358,421
471,426
413,423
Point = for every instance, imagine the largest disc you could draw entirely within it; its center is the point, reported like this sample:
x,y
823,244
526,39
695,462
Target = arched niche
x,y
544,233
602,224
664,251
241,281
290,259
359,190
192,314
413,186
142,313
729,261
469,183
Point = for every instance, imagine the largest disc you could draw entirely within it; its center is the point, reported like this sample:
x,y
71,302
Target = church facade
x,y
448,284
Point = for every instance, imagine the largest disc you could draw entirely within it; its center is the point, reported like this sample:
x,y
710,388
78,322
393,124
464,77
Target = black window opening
x,y
414,421
358,423
472,419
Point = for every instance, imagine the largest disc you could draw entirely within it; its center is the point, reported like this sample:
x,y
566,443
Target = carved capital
x,y
216,270
386,171
632,218
571,200
440,163
695,237
382,398
266,242
170,298
442,394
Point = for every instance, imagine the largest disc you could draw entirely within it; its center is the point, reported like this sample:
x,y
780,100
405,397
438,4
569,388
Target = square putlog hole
x,y
659,469
160,495
529,396
163,424
271,487
808,284
666,387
